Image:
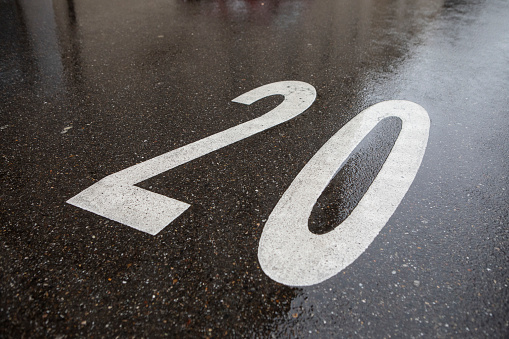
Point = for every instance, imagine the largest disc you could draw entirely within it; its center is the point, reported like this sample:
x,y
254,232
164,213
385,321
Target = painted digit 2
x,y
288,252
115,197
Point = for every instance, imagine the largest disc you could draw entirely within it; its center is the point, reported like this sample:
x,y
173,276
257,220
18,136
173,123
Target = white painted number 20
x,y
288,252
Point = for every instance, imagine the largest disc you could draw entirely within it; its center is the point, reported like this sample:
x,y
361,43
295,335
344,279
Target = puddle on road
x,y
352,181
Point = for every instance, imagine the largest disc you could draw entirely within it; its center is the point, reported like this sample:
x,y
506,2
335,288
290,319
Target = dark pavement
x,y
90,88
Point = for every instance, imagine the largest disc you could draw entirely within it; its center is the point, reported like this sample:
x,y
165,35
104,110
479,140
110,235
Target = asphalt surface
x,y
89,88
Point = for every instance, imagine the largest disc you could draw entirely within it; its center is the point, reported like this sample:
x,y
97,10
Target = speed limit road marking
x,y
288,252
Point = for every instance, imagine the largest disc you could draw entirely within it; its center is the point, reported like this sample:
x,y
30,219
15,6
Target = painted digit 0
x,y
289,253
115,197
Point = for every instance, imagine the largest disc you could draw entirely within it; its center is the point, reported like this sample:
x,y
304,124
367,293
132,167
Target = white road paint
x,y
115,197
289,253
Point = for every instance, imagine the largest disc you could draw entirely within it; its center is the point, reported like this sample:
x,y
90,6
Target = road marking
x,y
115,197
289,253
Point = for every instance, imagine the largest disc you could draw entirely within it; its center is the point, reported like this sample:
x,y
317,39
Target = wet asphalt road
x,y
89,88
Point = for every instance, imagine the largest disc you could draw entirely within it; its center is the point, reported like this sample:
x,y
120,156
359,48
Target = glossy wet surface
x,y
89,88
